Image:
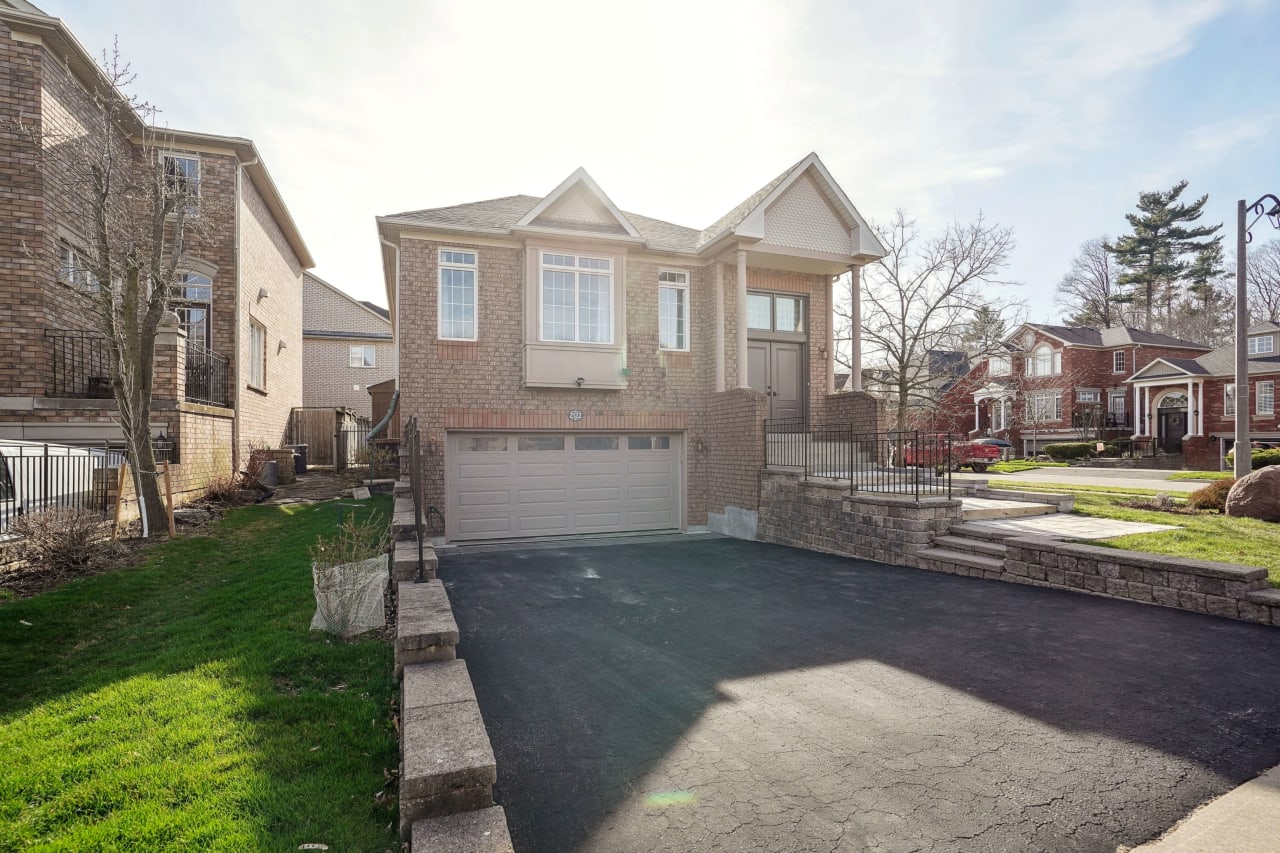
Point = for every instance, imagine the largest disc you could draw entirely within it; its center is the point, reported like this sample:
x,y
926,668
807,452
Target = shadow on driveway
x,y
714,694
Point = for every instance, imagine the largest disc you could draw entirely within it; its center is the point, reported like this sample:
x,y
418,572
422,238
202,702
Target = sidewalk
x,y
1246,820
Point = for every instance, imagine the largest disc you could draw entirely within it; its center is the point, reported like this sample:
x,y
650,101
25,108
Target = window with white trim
x,y
457,312
73,267
1229,398
1087,395
999,365
1266,398
257,354
181,175
1044,361
1262,344
1117,361
193,301
1044,406
576,298
362,356
1001,414
1116,406
673,310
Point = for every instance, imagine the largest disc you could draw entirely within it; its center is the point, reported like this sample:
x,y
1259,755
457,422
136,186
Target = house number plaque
x,y
575,415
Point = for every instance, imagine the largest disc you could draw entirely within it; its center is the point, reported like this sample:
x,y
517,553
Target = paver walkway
x,y
1071,526
721,695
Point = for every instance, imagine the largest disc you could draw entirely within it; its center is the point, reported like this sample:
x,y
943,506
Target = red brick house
x,y
575,368
1190,402
228,375
1057,383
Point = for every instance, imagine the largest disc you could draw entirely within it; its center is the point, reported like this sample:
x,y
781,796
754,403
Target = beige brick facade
x,y
333,323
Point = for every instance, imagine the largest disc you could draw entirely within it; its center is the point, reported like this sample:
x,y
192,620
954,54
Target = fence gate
x,y
316,428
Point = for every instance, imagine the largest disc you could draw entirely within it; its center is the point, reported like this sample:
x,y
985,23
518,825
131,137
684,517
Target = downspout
x,y
386,419
235,336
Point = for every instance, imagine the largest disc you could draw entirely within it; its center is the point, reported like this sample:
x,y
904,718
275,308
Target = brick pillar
x,y
170,379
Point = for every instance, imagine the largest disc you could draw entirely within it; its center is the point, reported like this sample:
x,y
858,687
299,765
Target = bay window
x,y
576,298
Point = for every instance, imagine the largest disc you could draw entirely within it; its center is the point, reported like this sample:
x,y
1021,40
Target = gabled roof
x,y
1165,368
382,314
1222,361
1115,336
542,214
377,309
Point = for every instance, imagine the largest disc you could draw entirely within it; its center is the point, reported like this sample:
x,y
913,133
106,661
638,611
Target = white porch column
x,y
977,415
1146,408
1191,408
855,311
719,327
831,335
1137,410
1200,407
744,380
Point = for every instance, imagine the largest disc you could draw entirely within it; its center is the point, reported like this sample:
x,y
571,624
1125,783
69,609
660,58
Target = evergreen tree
x,y
1154,255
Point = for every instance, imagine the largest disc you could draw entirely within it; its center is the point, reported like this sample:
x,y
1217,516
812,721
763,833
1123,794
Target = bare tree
x,y
135,208
1263,276
923,297
1088,290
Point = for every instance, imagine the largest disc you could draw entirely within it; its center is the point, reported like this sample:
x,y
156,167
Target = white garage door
x,y
506,485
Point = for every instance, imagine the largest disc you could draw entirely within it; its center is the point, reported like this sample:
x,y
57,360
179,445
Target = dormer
x,y
1264,344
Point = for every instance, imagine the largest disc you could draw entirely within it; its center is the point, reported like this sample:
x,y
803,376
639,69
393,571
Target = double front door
x,y
776,369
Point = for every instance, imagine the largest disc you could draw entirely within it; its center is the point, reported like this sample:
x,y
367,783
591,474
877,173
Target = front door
x,y
775,369
1173,426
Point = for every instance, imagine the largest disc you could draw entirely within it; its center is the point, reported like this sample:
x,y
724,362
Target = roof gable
x,y
579,204
1161,368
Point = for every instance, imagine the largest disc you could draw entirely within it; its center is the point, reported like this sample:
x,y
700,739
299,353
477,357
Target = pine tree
x,y
1154,256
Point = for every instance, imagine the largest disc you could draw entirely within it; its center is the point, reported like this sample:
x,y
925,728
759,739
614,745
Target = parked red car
x,y
932,450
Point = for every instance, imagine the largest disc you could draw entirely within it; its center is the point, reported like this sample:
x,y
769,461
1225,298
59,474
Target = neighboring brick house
x,y
1057,383
346,346
1191,401
239,369
577,369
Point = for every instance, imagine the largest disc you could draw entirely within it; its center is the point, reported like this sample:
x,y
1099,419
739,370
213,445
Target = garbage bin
x,y
270,474
299,457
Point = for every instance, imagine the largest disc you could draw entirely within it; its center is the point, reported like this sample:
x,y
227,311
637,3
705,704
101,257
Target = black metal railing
x,y
913,463
1088,419
413,442
80,364
206,376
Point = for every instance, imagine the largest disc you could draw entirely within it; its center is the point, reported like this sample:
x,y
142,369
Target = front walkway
x,y
718,695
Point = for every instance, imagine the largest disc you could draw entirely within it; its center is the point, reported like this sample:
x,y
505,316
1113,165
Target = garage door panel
x,y
527,491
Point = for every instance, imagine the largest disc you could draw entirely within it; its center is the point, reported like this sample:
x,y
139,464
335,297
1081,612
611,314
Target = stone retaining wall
x,y
824,516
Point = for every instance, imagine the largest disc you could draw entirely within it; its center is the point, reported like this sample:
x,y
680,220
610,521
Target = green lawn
x,y
1013,466
1207,536
1201,475
184,704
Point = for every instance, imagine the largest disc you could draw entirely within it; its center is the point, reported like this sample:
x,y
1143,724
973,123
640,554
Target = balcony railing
x,y
1094,420
206,376
80,364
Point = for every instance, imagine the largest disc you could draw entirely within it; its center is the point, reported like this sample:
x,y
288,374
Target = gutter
x,y
239,396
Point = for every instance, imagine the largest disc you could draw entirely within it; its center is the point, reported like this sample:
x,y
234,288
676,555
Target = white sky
x,y
1048,117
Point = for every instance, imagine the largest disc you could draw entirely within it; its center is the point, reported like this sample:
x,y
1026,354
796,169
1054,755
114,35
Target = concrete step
x,y
975,546
962,558
447,765
980,531
975,509
483,831
425,627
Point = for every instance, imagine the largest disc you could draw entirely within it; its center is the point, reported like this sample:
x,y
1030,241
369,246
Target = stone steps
x,y
425,628
480,831
976,509
947,560
967,545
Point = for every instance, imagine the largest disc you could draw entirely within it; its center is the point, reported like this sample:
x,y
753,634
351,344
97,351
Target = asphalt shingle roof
x,y
1113,337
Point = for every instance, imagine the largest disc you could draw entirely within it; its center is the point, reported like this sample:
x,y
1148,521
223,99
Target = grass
x,y
184,704
1075,488
1013,466
1201,475
1203,536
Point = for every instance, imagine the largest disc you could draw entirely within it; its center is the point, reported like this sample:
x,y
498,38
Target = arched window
x,y
193,302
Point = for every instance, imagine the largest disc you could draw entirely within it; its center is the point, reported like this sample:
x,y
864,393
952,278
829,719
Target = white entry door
x,y
505,485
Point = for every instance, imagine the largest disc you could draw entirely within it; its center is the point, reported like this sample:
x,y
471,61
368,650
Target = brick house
x,y
578,369
346,346
1191,401
229,374
1057,383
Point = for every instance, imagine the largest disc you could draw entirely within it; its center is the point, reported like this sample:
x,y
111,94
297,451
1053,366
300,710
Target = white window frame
x,y
257,355
1046,357
576,270
1264,394
73,268
1088,395
1257,342
678,282
1040,400
193,193
1002,415
474,269
999,365
1229,399
1117,361
362,356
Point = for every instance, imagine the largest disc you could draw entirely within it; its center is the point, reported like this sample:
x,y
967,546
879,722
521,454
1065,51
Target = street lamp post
x,y
1244,457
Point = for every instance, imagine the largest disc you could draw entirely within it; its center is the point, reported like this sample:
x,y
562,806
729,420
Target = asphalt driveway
x,y
711,694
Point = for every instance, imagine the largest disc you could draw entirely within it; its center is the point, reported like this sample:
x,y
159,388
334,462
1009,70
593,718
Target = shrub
x,y
224,490
62,538
1212,496
1067,451
1260,458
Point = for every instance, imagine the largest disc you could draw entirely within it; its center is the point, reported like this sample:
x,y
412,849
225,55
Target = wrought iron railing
x,y
80,364
913,463
1093,420
206,376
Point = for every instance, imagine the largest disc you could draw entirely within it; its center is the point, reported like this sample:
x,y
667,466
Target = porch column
x,y
831,335
1146,408
855,333
719,327
977,415
1191,409
744,380
1200,407
1137,411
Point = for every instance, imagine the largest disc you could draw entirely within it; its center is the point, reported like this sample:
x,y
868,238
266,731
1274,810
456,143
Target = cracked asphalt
x,y
710,694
